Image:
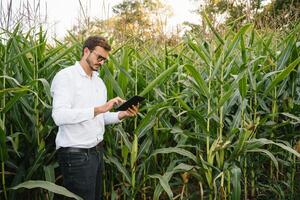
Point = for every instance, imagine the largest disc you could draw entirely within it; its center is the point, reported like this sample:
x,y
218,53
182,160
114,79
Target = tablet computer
x,y
130,102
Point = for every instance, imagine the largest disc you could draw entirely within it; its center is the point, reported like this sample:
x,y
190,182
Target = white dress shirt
x,y
75,95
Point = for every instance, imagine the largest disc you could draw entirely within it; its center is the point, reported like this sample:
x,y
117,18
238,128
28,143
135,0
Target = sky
x,y
102,9
62,14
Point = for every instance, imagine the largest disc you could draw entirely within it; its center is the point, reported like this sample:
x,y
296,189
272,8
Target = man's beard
x,y
89,62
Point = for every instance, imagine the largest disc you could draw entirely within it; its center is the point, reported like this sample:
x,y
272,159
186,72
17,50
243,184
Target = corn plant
x,y
220,118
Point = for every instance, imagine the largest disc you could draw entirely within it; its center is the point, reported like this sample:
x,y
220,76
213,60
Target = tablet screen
x,y
132,101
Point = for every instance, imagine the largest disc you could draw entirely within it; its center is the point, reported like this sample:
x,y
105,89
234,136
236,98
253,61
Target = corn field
x,y
221,118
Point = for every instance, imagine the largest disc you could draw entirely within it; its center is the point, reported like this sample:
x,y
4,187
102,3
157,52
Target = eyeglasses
x,y
99,57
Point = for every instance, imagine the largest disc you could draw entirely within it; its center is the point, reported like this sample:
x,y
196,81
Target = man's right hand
x,y
108,106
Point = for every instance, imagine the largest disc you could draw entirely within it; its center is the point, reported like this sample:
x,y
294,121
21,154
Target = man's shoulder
x,y
64,74
66,71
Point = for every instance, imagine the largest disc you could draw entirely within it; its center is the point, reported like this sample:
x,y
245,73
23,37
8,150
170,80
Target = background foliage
x,y
221,120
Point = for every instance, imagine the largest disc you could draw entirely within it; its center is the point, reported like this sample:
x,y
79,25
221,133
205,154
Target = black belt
x,y
98,147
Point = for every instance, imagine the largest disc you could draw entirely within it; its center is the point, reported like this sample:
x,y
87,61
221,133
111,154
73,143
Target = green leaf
x,y
50,176
156,82
177,150
283,75
48,186
57,58
256,143
236,182
183,104
292,117
3,149
46,87
268,153
200,51
284,57
122,79
226,96
200,81
120,167
12,101
164,183
23,53
241,144
134,150
243,49
235,41
123,134
144,147
148,121
114,83
212,28
243,86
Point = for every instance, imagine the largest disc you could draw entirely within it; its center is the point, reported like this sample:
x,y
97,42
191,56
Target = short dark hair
x,y
93,41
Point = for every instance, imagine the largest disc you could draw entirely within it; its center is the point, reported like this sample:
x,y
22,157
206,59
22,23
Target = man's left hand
x,y
130,112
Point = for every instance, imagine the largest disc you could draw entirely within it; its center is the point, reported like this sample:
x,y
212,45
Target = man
x,y
81,111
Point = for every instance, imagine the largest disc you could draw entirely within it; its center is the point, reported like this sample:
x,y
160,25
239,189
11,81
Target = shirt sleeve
x,y
62,112
111,118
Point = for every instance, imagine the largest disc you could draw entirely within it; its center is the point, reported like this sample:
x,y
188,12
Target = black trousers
x,y
82,171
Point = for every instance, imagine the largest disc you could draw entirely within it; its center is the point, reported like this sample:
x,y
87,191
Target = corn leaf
x,y
48,186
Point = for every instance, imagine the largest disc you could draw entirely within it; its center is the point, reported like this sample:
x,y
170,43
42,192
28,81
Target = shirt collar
x,y
82,72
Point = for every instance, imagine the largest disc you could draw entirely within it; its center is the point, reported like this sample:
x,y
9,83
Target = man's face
x,y
96,58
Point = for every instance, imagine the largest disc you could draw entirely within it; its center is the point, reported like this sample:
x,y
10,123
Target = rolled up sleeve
x,y
111,118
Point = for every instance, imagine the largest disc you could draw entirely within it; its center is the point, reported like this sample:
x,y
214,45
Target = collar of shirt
x,y
82,72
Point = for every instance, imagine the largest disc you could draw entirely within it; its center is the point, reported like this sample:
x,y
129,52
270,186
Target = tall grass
x,y
219,122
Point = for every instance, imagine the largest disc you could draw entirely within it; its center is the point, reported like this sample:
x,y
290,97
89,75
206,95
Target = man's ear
x,y
86,50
